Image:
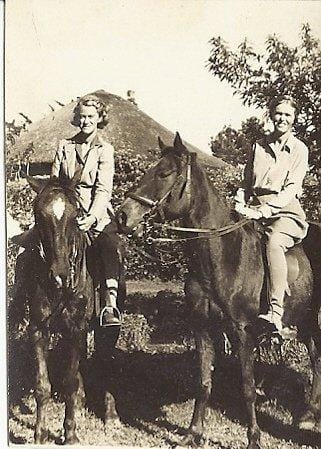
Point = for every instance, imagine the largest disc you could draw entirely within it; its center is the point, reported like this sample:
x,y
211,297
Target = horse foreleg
x,y
246,352
42,387
205,352
71,388
312,417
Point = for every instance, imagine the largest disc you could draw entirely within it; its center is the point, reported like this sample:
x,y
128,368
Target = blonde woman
x,y
90,154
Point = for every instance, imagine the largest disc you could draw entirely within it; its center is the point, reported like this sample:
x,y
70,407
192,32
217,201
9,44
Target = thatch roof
x,y
128,128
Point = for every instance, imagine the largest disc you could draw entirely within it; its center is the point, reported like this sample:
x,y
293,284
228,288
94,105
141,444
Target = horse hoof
x,y
190,440
254,445
41,437
113,419
72,440
307,421
110,408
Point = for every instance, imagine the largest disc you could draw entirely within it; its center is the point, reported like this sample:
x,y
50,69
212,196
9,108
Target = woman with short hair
x,y
90,155
271,191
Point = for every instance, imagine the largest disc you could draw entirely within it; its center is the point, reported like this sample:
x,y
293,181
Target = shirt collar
x,y
288,145
91,140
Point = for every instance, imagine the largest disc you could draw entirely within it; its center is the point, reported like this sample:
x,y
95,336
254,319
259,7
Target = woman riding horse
x,y
225,278
93,157
271,190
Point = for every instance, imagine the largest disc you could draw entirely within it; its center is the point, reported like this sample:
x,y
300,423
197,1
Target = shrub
x,y
166,261
130,167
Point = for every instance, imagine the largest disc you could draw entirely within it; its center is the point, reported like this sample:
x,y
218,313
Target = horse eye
x,y
165,173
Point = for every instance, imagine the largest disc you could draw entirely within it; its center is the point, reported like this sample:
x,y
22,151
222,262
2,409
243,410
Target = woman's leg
x,y
107,244
277,245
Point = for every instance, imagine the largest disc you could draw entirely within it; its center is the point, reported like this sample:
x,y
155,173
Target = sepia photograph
x,y
162,173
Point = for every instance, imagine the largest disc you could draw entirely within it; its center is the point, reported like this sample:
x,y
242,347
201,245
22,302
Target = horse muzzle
x,y
123,227
59,280
127,226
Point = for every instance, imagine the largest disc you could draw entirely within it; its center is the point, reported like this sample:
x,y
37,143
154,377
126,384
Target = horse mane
x,y
208,197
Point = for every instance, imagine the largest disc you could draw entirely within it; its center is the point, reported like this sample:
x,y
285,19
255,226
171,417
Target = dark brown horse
x,y
225,277
61,295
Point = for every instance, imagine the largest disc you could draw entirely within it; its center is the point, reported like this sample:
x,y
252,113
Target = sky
x,y
61,49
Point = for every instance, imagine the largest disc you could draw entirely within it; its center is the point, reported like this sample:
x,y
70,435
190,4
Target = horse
x,y
225,279
61,296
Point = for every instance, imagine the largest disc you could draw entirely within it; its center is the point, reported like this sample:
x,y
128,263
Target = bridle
x,y
157,207
73,254
72,260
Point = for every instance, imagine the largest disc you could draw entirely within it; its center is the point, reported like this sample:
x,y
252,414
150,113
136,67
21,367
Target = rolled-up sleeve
x,y
104,181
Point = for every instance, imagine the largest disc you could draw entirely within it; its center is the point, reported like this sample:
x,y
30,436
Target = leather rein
x,y
157,207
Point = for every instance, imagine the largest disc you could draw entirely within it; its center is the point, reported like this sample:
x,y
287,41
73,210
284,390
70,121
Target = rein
x,y
206,232
157,207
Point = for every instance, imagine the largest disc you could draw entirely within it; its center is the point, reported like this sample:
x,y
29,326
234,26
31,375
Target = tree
x,y
259,77
13,130
233,145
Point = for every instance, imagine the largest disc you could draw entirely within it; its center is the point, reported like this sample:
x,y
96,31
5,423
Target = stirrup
x,y
115,317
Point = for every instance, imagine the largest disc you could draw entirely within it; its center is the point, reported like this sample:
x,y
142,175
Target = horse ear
x,y
36,184
178,144
161,143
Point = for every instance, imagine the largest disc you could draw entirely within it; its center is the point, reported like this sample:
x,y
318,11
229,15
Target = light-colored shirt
x,y
96,183
273,181
275,176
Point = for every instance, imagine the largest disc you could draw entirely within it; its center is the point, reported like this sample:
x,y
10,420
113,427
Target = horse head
x,y
164,191
56,208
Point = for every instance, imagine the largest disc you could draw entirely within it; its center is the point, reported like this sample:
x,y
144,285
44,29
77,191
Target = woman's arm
x,y
104,182
55,168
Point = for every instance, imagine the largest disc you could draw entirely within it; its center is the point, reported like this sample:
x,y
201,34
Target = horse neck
x,y
207,208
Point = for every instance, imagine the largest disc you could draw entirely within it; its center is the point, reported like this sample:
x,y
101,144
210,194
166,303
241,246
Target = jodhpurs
x,y
277,245
107,248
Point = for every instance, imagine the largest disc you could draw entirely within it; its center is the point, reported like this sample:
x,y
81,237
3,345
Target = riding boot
x,y
274,315
277,245
110,314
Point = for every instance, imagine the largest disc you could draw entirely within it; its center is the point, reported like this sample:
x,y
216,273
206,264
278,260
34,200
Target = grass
x,y
153,380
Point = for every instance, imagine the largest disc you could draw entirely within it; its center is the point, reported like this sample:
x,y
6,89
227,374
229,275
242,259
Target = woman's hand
x,y
86,222
252,213
239,197
249,212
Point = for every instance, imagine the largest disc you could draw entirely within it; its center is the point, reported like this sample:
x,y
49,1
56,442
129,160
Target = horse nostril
x,y
58,280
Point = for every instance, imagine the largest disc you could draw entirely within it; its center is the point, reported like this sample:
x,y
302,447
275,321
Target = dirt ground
x,y
152,377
